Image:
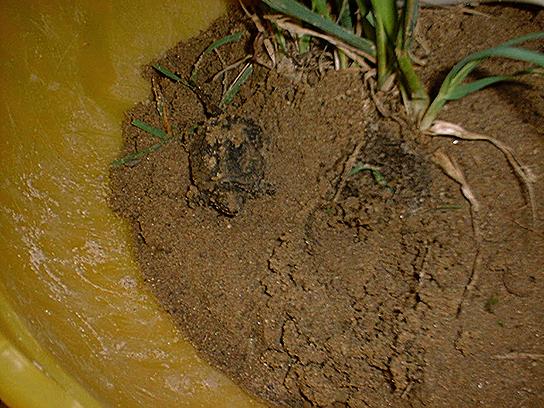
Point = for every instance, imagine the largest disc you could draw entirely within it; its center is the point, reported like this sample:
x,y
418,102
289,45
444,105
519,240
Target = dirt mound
x,y
309,248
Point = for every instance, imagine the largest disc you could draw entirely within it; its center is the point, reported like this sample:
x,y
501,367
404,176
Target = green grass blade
x,y
385,17
367,20
415,95
344,14
297,10
467,88
304,44
504,50
167,73
320,6
410,15
371,20
174,77
382,54
378,176
133,157
235,37
153,131
519,54
524,38
345,20
463,68
385,13
236,85
455,79
463,90
280,38
453,86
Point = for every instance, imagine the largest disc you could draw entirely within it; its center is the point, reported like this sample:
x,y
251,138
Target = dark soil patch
x,y
310,284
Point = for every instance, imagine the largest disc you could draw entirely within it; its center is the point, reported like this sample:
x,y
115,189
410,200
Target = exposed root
x,y
261,40
459,7
371,85
519,356
336,58
473,279
162,106
235,85
452,170
230,67
223,72
442,128
378,98
530,229
348,166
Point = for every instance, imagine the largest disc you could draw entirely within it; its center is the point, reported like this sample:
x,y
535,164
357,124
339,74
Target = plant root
x,y
348,166
519,356
162,106
525,176
293,27
261,40
230,67
452,170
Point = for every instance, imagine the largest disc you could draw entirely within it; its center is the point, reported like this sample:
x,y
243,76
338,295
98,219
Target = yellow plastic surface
x,y
77,326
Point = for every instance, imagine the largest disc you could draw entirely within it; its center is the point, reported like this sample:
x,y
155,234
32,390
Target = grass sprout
x,y
234,88
132,158
223,41
377,175
167,73
153,131
174,77
164,136
231,38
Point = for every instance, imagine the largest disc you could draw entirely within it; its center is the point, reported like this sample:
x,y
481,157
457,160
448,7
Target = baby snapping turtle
x,y
227,166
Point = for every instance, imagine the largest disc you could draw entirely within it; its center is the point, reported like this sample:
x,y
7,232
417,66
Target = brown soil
x,y
312,286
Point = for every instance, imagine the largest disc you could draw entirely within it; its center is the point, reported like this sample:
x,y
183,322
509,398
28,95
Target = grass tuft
x,y
297,10
386,37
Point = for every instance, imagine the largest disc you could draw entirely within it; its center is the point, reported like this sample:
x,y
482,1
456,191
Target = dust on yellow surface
x,y
68,71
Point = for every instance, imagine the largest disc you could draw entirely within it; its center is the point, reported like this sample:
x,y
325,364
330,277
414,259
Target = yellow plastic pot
x,y
77,326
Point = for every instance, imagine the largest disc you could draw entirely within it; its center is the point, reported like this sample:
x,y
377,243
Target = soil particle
x,y
309,248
